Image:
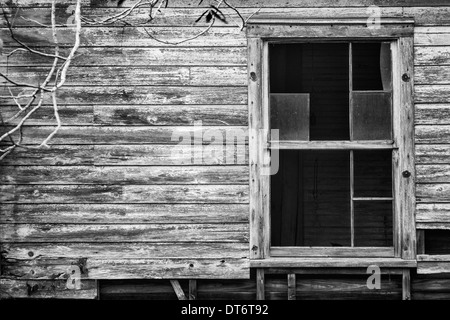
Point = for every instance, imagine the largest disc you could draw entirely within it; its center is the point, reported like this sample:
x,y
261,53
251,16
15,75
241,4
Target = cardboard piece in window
x,y
289,112
372,115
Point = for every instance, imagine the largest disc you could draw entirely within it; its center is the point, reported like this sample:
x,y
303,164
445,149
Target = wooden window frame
x,y
262,31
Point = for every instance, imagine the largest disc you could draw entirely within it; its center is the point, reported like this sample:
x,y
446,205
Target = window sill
x,y
332,263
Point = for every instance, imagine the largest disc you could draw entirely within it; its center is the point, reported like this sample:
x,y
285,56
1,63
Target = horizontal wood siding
x,y
117,196
122,194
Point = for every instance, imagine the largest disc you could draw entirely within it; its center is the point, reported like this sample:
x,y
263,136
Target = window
x,y
342,105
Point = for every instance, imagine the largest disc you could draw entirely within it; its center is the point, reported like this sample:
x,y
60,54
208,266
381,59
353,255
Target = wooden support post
x,y
260,295
192,289
291,287
406,284
178,290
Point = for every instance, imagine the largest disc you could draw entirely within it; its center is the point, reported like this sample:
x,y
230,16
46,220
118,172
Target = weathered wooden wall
x,y
111,197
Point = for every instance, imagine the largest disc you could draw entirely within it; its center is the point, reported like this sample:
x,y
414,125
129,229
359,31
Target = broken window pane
x,y
371,66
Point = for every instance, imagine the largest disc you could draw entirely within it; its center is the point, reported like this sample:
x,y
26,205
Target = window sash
x,y
403,130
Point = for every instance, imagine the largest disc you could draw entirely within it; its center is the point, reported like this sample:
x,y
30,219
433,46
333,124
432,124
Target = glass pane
x,y
290,114
372,115
373,173
373,224
310,199
371,66
320,70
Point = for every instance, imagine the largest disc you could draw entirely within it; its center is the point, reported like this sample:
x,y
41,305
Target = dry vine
x,y
29,102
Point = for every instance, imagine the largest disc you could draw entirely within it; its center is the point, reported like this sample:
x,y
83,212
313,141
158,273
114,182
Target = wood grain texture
x,y
128,155
157,95
29,252
124,175
47,289
130,36
124,194
128,115
432,93
433,173
432,74
432,213
432,36
428,55
186,16
431,134
432,114
169,269
114,135
437,192
256,3
123,213
432,153
124,233
141,57
138,76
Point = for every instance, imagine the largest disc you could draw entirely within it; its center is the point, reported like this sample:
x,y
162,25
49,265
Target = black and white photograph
x,y
226,153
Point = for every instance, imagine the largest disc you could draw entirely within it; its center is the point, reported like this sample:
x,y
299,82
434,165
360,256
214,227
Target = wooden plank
x,y
432,154
436,258
429,134
433,173
140,57
128,155
123,175
432,114
258,3
218,115
406,285
139,76
330,271
432,55
113,135
432,75
69,115
24,252
258,226
124,233
403,159
169,269
438,192
332,145
331,263
426,267
136,95
433,213
124,194
189,268
431,36
126,36
123,213
186,16
291,286
192,289
178,289
432,93
291,30
329,252
260,284
12,289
